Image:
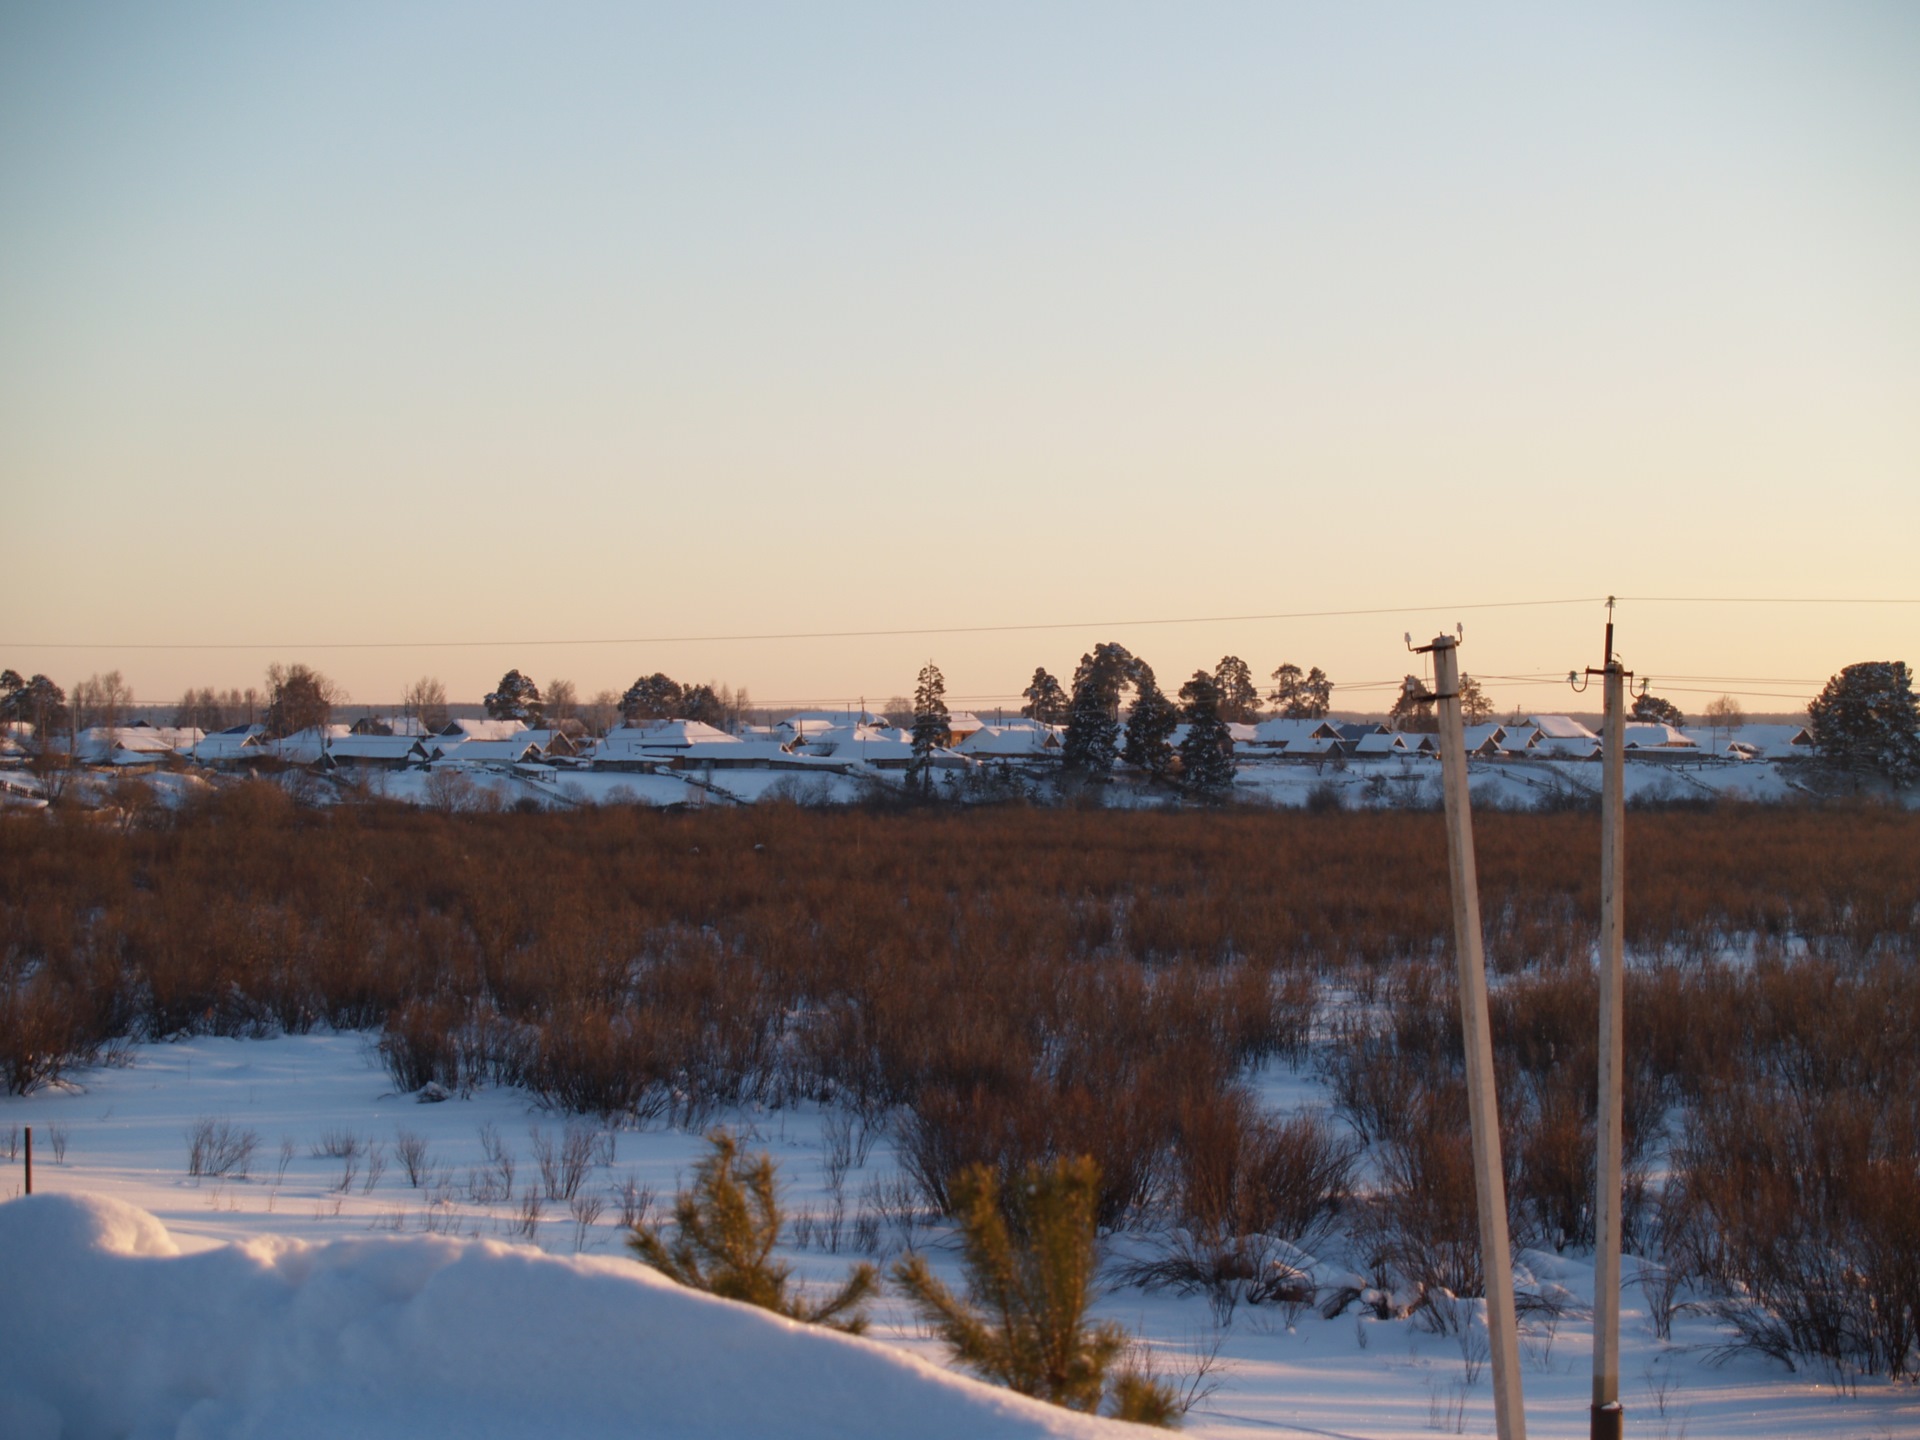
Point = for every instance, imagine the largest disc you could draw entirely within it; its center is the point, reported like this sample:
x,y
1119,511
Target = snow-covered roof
x,y
1515,739
1571,748
236,742
1560,727
304,747
1764,740
1479,735
1008,742
132,744
508,751
1291,733
861,742
1651,735
660,737
1354,729
811,722
1377,744
373,747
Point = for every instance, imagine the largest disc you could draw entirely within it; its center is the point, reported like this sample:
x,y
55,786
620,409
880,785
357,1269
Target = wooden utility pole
x,y
1607,1419
1489,1185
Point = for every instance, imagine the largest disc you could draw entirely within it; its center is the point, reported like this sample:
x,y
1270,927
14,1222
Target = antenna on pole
x,y
1606,1418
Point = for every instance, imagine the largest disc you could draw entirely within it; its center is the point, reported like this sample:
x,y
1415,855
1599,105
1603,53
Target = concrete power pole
x,y
1489,1185
1607,1419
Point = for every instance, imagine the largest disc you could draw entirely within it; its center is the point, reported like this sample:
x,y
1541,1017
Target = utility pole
x,y
1606,1417
1489,1184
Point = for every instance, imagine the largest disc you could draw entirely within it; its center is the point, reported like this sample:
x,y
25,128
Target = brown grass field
x,y
1008,984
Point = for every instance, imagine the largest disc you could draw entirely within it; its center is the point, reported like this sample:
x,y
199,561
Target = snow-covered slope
x,y
109,1330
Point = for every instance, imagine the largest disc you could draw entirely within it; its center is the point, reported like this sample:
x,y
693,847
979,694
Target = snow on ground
x,y
111,1330
307,1297
1510,784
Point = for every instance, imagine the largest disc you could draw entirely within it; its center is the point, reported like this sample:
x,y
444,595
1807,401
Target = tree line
x,y
1866,719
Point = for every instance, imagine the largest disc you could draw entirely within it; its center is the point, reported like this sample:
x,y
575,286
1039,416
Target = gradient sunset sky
x,y
470,329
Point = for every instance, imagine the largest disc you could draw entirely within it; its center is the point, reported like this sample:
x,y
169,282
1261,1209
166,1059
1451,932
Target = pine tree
x,y
1867,721
932,725
1413,709
1475,707
1239,696
1652,710
1301,696
702,703
515,698
1029,1261
1150,726
38,701
652,697
1093,716
726,1228
1046,700
1206,753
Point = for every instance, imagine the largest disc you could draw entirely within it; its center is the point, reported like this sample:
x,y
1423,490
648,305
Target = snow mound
x,y
109,1330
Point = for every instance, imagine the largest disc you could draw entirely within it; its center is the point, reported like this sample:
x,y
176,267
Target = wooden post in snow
x,y
1606,1417
1489,1185
29,1159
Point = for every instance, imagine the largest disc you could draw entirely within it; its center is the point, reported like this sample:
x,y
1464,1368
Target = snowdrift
x,y
108,1330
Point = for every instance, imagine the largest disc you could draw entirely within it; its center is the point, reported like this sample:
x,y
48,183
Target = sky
x,y
431,339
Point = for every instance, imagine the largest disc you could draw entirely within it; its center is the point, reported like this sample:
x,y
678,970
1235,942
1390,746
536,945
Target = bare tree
x,y
101,700
602,711
563,702
1724,716
301,698
425,700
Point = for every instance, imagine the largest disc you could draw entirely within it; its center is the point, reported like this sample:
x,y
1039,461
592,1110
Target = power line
x,y
1764,600
789,634
910,632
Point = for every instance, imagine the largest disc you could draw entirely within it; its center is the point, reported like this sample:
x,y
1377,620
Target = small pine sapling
x,y
1029,1261
726,1227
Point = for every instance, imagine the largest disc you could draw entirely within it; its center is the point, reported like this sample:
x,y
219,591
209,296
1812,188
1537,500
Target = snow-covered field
x,y
326,1296
1513,784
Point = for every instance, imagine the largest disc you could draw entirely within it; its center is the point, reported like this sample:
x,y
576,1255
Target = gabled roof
x,y
509,751
861,742
661,737
1478,735
1292,732
236,742
373,747
1560,727
1568,749
1652,735
1354,729
1380,744
811,722
1008,742
304,747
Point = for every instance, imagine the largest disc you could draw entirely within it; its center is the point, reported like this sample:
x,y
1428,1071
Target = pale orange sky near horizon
x,y
429,323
